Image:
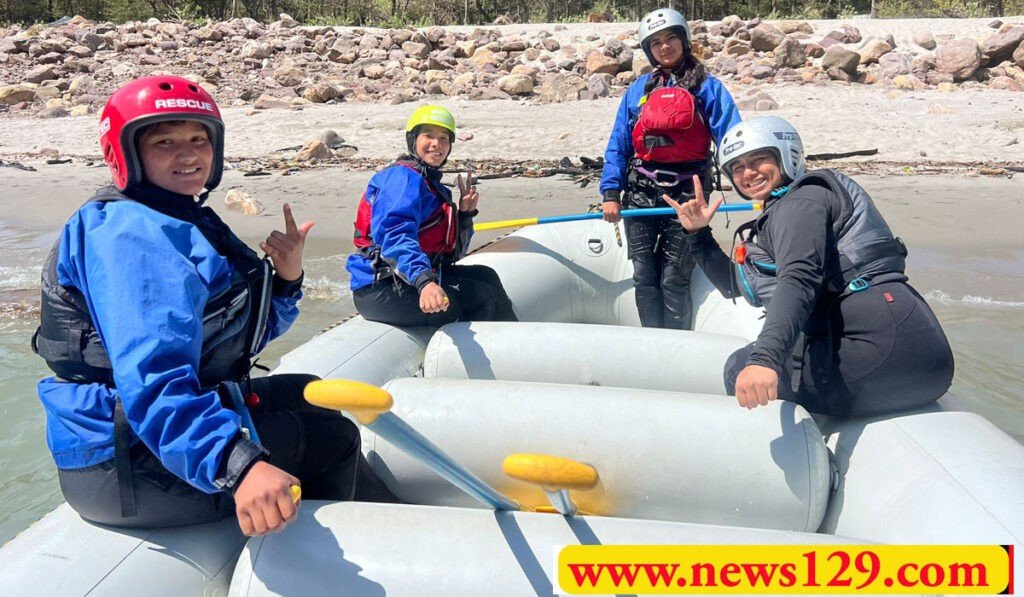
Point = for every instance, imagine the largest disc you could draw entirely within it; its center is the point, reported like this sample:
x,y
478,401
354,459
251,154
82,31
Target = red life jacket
x,y
671,128
438,233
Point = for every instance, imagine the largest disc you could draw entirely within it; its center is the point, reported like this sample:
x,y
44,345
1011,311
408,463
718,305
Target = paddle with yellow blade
x,y
626,213
555,475
371,406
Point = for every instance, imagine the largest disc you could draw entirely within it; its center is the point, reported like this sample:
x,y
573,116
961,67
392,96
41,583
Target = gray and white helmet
x,y
660,20
764,132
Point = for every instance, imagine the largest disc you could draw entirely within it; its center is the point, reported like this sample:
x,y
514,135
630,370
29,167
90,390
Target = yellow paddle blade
x,y
504,224
364,401
550,472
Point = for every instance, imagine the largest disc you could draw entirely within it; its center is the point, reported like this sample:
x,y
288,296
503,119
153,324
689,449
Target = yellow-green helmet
x,y
432,114
429,114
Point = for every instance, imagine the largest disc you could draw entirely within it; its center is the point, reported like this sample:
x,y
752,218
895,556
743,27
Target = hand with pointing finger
x,y
695,213
285,248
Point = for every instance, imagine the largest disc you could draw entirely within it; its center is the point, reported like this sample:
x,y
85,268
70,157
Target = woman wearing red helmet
x,y
152,310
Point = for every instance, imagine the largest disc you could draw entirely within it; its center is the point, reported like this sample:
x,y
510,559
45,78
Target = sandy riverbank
x,y
942,211
905,126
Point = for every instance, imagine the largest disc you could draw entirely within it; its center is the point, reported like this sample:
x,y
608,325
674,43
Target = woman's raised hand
x,y
285,248
468,195
695,213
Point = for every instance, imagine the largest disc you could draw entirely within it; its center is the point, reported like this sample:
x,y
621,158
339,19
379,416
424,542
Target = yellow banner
x,y
785,569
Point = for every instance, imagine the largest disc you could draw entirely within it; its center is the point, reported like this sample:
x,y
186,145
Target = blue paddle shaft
x,y
397,432
637,213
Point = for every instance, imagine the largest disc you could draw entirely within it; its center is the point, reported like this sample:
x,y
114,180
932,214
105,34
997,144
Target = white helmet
x,y
659,20
764,132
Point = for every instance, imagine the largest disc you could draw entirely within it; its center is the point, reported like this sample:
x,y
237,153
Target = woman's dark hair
x,y
690,73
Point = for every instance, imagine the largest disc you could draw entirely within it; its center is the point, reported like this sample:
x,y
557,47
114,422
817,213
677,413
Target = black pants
x,y
319,446
474,291
888,353
662,264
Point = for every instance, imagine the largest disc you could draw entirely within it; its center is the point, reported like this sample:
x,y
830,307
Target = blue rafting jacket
x,y
146,278
719,110
401,201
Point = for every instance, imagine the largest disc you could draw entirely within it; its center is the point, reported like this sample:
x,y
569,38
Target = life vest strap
x,y
123,462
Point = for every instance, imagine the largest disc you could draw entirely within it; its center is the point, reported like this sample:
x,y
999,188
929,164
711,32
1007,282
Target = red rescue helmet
x,y
151,100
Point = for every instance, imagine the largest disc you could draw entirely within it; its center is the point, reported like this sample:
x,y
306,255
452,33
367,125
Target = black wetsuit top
x,y
864,353
805,261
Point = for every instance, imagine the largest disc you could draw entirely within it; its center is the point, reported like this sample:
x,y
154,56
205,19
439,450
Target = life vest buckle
x,y
858,284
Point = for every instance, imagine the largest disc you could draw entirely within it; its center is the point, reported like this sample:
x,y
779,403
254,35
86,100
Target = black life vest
x,y
438,234
234,321
868,251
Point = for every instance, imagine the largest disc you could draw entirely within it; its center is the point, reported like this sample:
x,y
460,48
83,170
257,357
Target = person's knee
x,y
486,275
646,271
674,279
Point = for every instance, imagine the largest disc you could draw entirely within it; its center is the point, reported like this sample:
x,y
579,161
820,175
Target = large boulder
x,y
39,74
1000,46
1018,56
925,39
208,34
873,50
313,151
840,58
908,82
736,47
417,49
789,27
958,58
289,75
790,53
515,84
895,63
15,94
90,40
240,201
814,50
847,34
320,92
561,88
255,50
1005,83
600,84
597,62
483,56
765,37
922,64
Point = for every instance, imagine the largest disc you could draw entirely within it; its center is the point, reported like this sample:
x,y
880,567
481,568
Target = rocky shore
x,y
69,68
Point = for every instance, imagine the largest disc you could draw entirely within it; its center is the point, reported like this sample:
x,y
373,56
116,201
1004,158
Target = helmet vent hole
x,y
193,88
165,86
